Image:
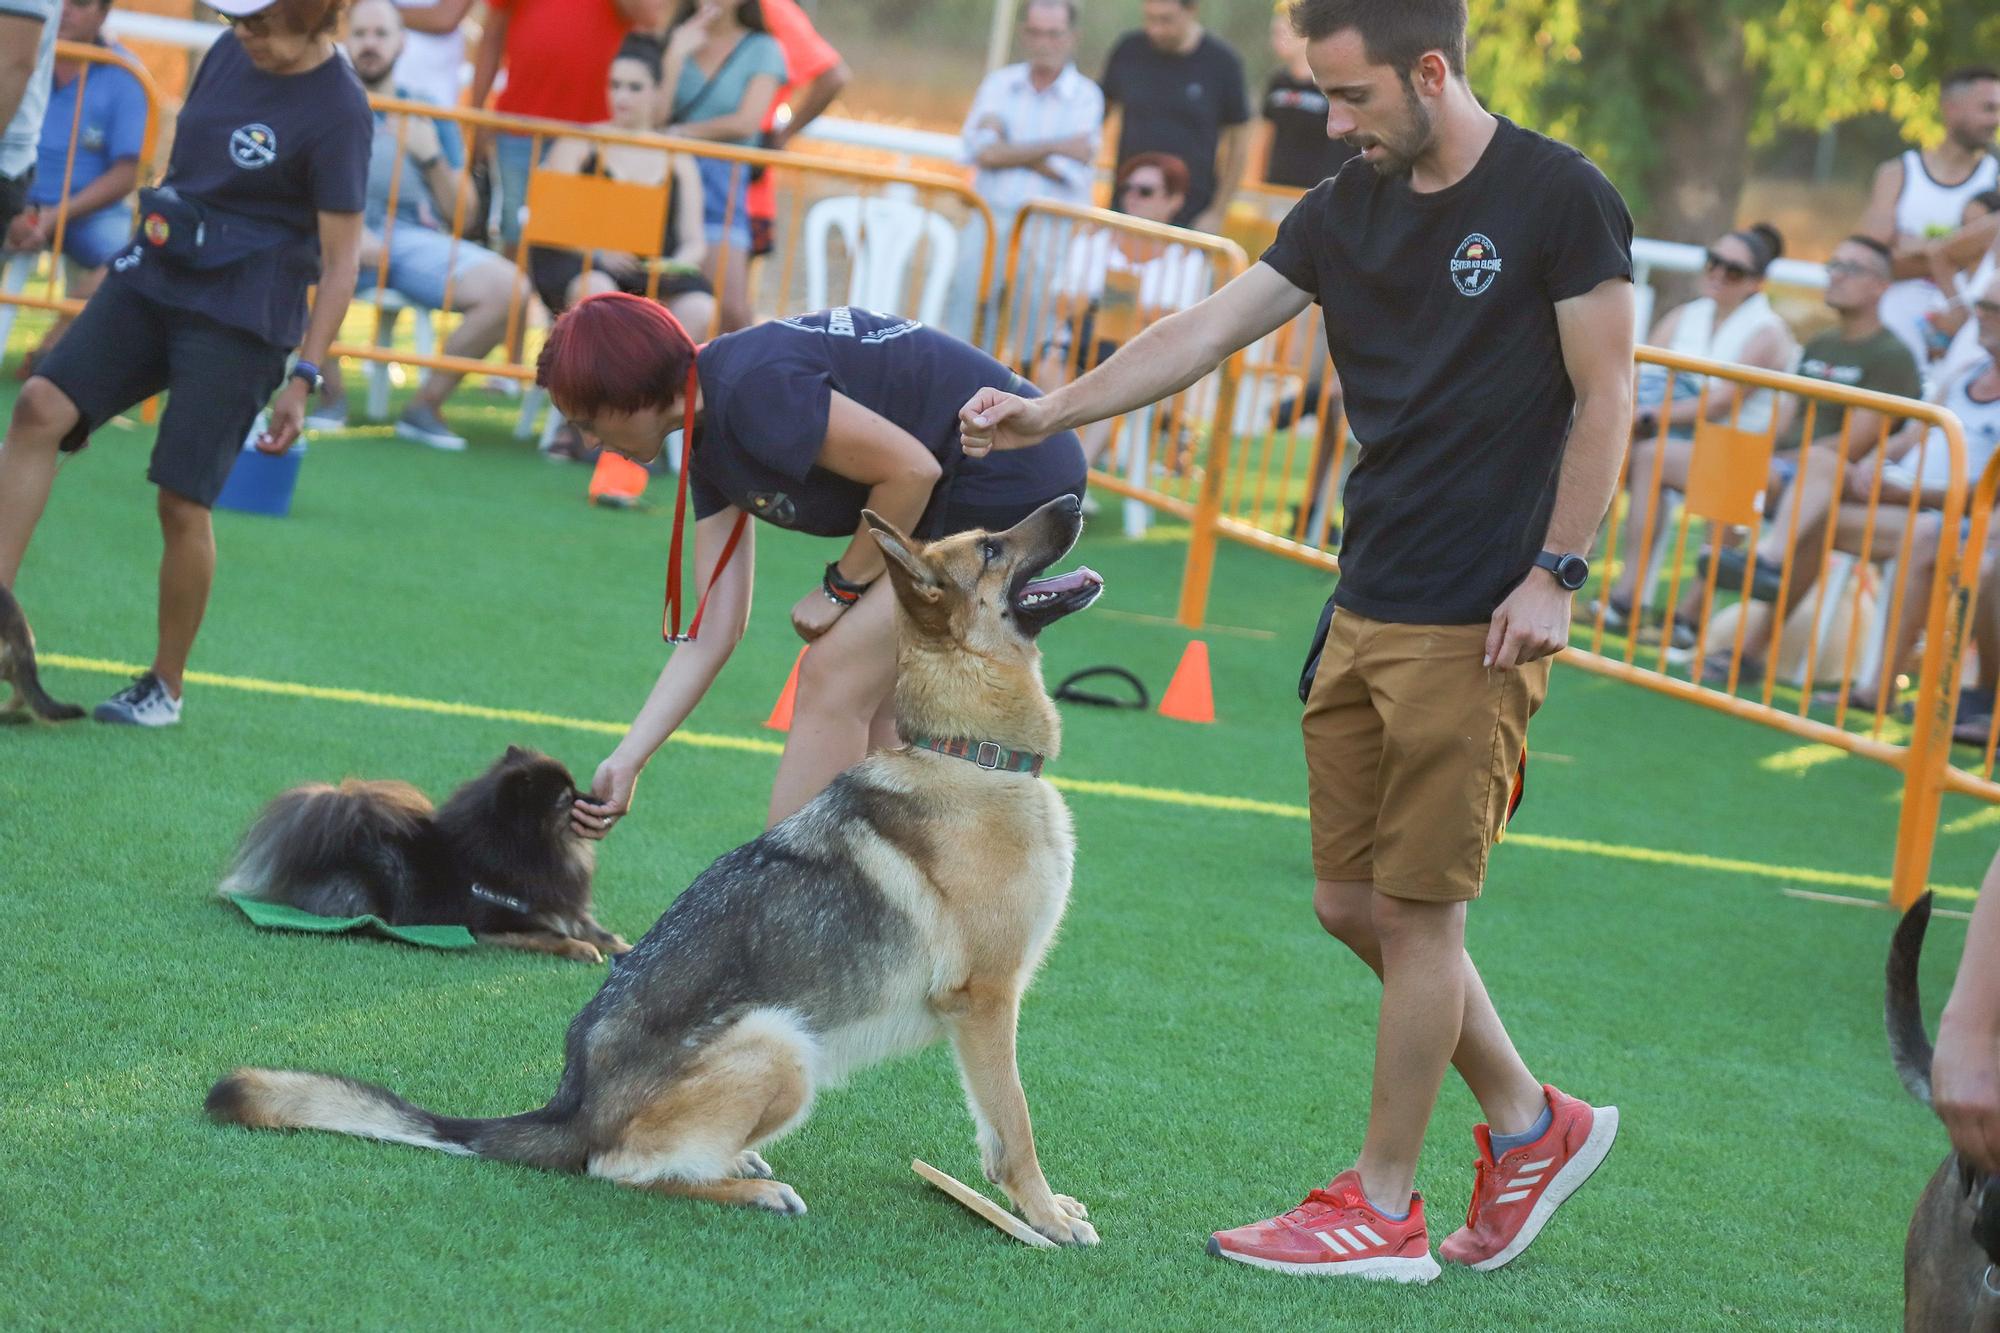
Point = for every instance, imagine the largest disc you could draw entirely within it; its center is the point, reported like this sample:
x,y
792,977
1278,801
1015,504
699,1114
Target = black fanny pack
x,y
1312,654
188,233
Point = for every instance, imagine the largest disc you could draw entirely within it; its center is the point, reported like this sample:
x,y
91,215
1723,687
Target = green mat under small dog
x,y
279,916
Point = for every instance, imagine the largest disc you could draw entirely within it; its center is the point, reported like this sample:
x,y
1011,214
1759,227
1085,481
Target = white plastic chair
x,y
424,334
881,235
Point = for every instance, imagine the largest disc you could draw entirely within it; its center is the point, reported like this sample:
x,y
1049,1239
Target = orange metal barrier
x,y
875,236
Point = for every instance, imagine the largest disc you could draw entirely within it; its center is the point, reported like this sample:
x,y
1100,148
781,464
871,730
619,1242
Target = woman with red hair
x,y
802,423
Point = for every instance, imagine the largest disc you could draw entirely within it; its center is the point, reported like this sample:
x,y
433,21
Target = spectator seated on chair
x,y
1915,462
418,160
110,131
1113,283
1949,329
723,69
1732,320
1858,354
675,279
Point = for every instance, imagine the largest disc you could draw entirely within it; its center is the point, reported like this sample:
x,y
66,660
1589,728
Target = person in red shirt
x,y
555,53
817,75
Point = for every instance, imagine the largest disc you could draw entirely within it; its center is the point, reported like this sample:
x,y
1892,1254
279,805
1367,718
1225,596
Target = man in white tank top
x,y
1921,194
434,48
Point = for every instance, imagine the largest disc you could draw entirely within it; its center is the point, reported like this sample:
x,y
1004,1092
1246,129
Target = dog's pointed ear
x,y
906,567
516,752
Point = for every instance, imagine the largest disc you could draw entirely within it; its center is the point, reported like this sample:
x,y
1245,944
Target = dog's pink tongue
x,y
1081,577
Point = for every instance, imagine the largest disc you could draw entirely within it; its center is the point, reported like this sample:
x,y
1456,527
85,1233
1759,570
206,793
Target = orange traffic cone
x,y
781,712
1188,697
618,482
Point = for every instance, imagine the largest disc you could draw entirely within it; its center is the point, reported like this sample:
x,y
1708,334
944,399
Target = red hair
x,y
614,352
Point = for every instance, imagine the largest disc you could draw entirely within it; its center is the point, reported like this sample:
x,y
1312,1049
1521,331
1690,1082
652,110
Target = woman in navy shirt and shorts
x,y
263,197
801,423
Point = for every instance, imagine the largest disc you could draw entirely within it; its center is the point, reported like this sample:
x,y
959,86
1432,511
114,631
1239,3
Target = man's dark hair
x,y
1393,32
1988,200
1959,78
1870,243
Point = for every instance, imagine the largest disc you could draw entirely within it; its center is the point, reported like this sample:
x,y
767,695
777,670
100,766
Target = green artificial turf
x,y
1196,1051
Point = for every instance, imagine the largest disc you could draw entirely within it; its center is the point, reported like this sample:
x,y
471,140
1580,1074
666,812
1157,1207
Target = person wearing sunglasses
x,y
1732,320
800,423
1113,282
262,199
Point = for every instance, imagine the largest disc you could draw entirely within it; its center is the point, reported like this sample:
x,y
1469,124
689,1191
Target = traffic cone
x,y
618,482
781,712
1188,697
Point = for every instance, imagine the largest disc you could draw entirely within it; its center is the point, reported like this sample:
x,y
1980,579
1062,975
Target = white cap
x,y
237,9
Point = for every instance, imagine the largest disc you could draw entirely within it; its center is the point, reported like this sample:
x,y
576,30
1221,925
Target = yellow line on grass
x,y
1082,786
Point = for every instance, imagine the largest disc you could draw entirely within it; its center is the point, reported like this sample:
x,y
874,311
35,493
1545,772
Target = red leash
x,y
670,623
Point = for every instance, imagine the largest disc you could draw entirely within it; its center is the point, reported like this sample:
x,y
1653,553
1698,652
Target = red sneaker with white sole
x,y
1514,1197
1336,1232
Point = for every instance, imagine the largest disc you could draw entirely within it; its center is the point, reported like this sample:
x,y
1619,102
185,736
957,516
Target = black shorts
x,y
553,269
125,347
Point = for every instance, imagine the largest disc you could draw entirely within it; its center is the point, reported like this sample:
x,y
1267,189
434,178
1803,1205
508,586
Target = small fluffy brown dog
x,y
498,858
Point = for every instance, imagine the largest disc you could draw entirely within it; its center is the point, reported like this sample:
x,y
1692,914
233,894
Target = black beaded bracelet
x,y
838,588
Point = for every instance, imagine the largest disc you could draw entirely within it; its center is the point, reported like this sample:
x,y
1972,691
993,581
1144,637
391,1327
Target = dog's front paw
x,y
1067,1224
777,1196
579,951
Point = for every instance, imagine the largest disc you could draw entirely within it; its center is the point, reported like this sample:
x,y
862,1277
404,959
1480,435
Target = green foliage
x,y
1608,76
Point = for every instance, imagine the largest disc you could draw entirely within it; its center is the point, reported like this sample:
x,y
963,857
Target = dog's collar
x,y
501,900
989,755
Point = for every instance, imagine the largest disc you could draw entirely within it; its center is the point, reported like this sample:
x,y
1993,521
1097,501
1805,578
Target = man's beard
x,y
376,76
1400,155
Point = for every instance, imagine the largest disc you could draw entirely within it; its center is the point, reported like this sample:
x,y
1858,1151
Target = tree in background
x,y
1670,96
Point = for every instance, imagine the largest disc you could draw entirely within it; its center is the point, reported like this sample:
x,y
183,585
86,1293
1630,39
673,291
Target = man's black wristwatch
x,y
307,371
1572,571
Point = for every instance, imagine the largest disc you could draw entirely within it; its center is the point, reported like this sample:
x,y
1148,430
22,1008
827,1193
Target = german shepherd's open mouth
x,y
1039,602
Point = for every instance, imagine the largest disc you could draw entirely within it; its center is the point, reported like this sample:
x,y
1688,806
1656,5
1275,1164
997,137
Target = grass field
x,y
1197,1053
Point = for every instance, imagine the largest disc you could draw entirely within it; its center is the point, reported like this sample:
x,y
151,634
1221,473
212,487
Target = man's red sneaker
x,y
1513,1198
1338,1233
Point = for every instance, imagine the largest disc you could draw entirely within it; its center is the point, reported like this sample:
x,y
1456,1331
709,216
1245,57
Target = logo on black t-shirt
x,y
253,146
1475,264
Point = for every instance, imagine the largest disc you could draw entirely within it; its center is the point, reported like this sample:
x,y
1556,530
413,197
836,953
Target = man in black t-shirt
x,y
1475,279
1179,89
1297,152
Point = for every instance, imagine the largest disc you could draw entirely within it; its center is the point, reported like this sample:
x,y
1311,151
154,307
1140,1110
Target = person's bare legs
x,y
1484,1055
485,295
187,572
728,269
43,414
882,733
695,311
1638,487
845,676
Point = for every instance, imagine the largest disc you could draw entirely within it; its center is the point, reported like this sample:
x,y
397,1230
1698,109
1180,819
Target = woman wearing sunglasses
x,y
800,423
1732,320
262,199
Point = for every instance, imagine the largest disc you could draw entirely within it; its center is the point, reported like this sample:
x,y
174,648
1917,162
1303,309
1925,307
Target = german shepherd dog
x,y
498,858
910,901
17,669
1951,1259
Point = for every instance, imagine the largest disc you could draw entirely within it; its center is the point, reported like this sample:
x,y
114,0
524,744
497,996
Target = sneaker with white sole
x,y
143,703
328,416
423,426
1514,1197
1336,1232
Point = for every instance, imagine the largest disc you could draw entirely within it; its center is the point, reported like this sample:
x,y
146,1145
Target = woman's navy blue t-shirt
x,y
277,149
766,391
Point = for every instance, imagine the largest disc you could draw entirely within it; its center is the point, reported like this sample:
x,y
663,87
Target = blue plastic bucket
x,y
262,483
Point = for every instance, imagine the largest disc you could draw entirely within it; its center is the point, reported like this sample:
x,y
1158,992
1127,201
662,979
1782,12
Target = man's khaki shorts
x,y
1412,748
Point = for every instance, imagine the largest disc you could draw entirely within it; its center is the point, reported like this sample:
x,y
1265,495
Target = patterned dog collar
x,y
989,755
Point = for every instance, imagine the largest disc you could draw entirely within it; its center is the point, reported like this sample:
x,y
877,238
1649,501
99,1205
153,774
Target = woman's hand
x,y
685,40
814,614
610,798
288,418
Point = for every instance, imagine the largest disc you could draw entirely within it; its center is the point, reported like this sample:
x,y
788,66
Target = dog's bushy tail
x,y
1909,1044
293,1099
29,682
319,847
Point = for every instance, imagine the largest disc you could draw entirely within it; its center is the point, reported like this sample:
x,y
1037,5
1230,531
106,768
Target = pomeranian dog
x,y
498,858
17,669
